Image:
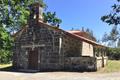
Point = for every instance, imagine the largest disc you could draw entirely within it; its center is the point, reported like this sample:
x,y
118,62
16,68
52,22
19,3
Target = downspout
x,y
60,46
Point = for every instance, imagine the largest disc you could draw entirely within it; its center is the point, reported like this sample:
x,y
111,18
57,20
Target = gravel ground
x,y
59,76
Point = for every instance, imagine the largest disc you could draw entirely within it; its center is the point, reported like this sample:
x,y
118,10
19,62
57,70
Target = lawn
x,y
5,65
112,66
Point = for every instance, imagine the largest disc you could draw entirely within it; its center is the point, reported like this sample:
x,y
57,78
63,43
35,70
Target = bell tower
x,y
36,11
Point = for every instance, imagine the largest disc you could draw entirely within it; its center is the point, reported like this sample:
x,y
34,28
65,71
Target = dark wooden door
x,y
33,59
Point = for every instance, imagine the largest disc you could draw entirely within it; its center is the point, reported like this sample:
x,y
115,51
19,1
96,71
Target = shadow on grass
x,y
10,69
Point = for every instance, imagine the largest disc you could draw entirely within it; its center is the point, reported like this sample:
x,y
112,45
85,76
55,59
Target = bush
x,y
114,53
5,56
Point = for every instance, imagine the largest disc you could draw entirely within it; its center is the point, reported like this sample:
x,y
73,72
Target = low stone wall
x,y
101,62
80,63
105,60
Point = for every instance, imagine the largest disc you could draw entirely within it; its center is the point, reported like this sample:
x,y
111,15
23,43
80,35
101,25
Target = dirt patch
x,y
59,76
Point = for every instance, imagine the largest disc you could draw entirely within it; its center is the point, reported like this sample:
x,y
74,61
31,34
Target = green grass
x,y
5,65
112,66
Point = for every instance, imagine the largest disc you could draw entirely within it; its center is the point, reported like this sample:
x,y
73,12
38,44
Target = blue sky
x,y
82,13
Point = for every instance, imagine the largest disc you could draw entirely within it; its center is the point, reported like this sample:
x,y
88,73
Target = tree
x,y
51,18
13,15
112,38
5,46
113,18
114,53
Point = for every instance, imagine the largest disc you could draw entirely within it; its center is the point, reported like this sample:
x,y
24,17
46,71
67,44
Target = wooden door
x,y
33,59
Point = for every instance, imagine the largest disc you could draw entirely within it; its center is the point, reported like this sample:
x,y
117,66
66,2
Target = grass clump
x,y
112,66
5,65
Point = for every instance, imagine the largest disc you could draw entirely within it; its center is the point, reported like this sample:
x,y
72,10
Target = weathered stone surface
x,y
53,49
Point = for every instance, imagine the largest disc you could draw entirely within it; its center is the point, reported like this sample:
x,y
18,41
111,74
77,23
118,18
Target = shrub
x,y
114,53
5,56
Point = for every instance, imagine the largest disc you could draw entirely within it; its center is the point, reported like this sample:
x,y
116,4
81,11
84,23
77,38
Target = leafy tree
x,y
82,29
114,53
13,15
112,38
51,18
113,18
5,46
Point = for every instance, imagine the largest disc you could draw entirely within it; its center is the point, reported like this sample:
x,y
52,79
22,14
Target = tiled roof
x,y
84,39
83,34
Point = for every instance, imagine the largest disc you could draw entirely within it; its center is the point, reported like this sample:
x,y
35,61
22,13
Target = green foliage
x,y
5,66
5,39
114,53
5,46
5,56
13,15
51,18
113,18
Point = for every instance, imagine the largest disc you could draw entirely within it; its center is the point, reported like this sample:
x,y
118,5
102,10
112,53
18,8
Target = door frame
x,y
35,51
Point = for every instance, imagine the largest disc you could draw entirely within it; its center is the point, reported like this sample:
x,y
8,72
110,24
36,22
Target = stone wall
x,y
56,49
35,34
101,62
80,63
19,54
71,47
